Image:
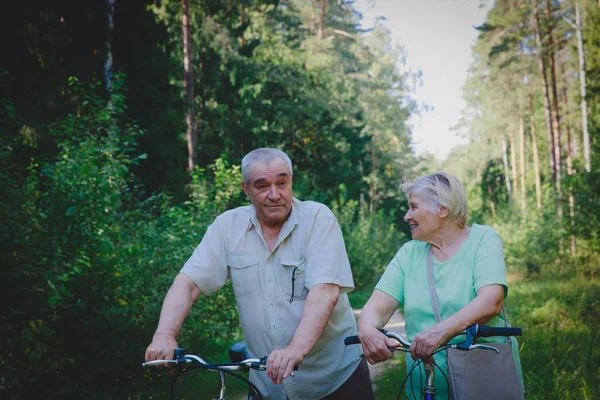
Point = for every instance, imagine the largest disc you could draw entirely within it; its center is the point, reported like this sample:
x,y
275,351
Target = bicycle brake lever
x,y
483,347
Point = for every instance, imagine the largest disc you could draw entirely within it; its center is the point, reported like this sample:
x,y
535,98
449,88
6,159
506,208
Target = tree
x,y
536,157
582,84
555,115
188,83
543,75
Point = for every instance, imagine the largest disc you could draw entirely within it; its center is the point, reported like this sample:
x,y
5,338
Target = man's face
x,y
270,192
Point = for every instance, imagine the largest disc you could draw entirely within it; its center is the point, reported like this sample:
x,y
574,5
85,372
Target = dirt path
x,y
395,324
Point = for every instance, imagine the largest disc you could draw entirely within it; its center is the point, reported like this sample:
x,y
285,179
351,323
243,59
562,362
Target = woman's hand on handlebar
x,y
376,346
161,348
427,342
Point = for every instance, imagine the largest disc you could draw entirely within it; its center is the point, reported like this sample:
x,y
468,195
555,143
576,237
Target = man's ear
x,y
245,188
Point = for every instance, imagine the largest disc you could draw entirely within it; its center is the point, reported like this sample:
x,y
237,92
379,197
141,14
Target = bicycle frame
x,y
429,390
471,333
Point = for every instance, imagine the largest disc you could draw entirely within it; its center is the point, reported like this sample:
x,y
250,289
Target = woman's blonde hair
x,y
443,189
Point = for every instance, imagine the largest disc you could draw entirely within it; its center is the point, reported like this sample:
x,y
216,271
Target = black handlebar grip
x,y
487,331
354,339
351,340
263,361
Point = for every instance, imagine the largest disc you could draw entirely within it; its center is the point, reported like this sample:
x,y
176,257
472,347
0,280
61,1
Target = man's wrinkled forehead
x,y
261,170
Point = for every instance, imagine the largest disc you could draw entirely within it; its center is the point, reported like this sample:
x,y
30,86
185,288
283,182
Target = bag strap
x,y
434,300
433,295
436,310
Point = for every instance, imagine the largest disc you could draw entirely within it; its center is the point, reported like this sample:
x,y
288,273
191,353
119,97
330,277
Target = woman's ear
x,y
442,211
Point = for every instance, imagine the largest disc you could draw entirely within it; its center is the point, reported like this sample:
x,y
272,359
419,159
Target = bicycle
x,y
472,333
240,362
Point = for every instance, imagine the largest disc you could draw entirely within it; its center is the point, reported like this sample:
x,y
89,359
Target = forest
x,y
122,128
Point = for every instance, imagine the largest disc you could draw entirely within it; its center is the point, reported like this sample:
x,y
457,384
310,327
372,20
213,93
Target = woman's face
x,y
422,216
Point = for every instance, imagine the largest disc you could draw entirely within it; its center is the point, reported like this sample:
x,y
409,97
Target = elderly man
x,y
290,273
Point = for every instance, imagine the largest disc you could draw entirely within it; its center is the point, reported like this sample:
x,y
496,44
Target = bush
x,y
88,263
371,241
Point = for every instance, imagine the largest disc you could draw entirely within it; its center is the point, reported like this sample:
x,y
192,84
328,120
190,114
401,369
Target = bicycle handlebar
x,y
487,331
473,332
354,339
180,357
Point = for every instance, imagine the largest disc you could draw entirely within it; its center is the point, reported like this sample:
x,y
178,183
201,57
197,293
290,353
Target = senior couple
x,y
290,273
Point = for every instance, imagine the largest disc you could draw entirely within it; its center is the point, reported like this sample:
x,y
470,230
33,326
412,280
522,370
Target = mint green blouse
x,y
479,262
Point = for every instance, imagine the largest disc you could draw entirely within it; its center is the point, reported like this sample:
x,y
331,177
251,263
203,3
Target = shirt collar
x,y
289,224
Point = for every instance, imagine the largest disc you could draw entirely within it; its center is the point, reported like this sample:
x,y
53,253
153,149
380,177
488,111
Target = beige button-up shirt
x,y
271,287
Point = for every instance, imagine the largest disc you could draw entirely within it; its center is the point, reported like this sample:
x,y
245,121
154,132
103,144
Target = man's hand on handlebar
x,y
281,363
376,346
161,348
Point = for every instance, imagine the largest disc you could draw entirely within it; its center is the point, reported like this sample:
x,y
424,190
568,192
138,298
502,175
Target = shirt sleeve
x,y
326,257
207,266
490,268
392,280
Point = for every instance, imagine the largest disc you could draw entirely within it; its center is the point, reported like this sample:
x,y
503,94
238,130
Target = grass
x,y
560,353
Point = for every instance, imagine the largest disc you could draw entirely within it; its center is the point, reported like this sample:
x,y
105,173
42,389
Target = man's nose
x,y
274,192
406,216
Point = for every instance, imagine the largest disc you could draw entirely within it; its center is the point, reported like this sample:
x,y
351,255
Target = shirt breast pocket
x,y
292,279
243,272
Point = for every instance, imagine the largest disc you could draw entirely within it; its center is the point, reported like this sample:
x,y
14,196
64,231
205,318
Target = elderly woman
x,y
469,271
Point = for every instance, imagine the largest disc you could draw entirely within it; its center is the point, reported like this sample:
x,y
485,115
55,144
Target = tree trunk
x,y
506,169
313,16
582,89
188,82
570,171
241,11
536,156
542,69
373,179
108,64
492,204
555,121
522,160
322,19
556,114
513,162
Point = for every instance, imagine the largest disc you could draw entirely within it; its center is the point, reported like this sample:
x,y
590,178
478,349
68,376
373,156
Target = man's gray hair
x,y
443,189
265,155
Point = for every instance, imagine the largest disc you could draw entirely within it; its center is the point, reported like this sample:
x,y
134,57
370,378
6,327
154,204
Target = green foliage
x,y
219,190
87,261
99,213
371,241
504,94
